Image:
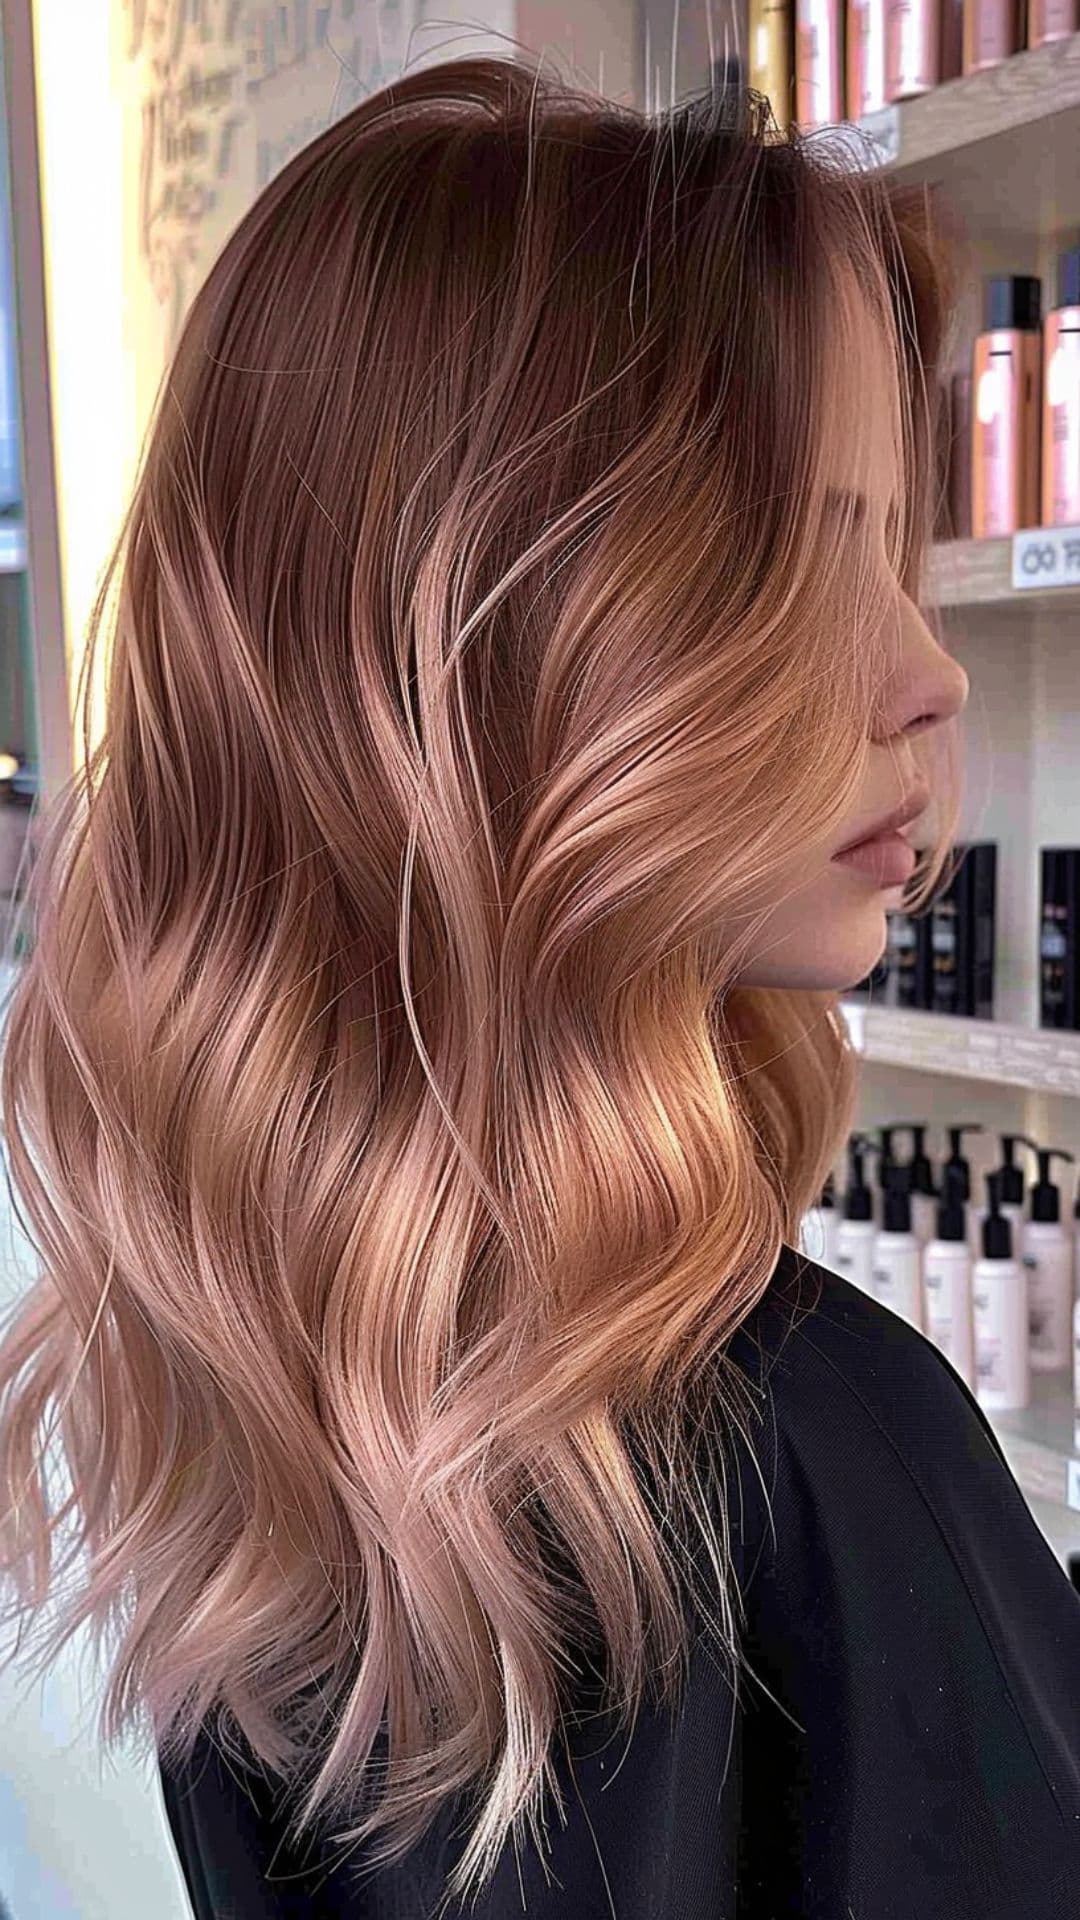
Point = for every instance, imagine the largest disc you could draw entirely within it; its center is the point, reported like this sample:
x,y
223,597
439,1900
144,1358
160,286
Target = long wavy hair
x,y
399,1145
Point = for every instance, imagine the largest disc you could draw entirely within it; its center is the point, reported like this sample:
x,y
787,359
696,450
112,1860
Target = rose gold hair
x,y
400,1148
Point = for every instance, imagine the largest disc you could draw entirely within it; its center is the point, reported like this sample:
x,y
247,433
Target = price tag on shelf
x,y
1046,557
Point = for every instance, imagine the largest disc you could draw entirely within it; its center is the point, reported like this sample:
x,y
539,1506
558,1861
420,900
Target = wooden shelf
x,y
1006,141
1022,92
1039,1059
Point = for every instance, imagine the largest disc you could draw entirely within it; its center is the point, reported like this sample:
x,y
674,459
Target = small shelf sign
x,y
1046,557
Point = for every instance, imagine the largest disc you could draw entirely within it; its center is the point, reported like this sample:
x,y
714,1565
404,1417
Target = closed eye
x,y
854,508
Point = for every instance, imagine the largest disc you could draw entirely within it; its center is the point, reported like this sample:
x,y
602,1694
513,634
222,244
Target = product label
x,y
988,1367
1040,1305
1046,557
939,1324
881,1282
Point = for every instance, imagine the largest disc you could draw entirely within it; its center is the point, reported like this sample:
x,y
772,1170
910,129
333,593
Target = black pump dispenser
x,y
858,1199
956,1168
1011,1176
950,1210
920,1172
1045,1196
891,1172
997,1227
896,1209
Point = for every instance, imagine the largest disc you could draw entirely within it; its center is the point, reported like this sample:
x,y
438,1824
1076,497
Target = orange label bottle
x,y
1061,400
1007,409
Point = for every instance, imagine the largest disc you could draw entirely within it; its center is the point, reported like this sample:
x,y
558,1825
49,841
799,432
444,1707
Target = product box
x,y
962,934
909,959
1059,938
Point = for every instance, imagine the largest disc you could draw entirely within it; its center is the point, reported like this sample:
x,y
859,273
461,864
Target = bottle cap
x,y
997,1227
858,1199
891,1173
956,1167
1013,301
1069,278
1045,1195
920,1173
1010,1175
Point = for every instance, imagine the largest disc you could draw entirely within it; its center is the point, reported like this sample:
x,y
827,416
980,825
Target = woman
x,y
431,1045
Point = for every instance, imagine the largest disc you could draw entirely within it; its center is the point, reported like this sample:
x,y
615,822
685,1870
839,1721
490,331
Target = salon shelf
x,y
1037,1441
972,573
1039,1059
1022,92
1004,141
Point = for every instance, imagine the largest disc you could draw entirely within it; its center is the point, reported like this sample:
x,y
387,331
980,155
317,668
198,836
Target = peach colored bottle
x,y
912,47
1006,413
819,67
952,39
991,32
772,55
1051,20
1061,400
866,91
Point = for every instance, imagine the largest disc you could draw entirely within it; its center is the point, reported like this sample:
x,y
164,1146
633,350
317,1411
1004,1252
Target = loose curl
x,y
399,1144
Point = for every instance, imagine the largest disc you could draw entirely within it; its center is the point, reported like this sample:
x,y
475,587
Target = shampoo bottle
x,y
991,33
947,1290
772,55
1051,20
999,1295
1007,376
1048,1258
897,1262
1011,1190
857,1232
865,39
1061,400
920,1180
912,47
957,1170
819,62
890,1172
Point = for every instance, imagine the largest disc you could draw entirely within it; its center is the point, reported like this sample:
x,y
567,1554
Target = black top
x,y
919,1758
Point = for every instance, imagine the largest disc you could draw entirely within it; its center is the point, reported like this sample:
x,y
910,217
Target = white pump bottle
x,y
1048,1258
999,1291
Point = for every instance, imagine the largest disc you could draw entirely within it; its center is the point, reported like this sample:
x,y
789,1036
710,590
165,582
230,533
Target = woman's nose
x,y
928,685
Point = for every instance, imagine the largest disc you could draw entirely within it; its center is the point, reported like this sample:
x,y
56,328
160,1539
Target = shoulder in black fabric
x,y
906,1740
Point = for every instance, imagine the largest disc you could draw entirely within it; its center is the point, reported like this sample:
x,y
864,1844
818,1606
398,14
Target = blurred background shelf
x,y
978,573
1037,1441
1005,140
1037,1059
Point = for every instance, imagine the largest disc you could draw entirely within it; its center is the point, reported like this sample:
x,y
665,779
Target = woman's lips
x,y
886,858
